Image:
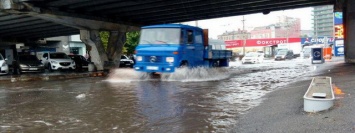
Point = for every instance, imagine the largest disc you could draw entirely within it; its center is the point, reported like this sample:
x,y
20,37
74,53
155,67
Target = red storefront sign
x,y
260,42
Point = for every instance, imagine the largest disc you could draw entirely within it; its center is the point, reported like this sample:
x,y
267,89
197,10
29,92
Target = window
x,y
45,55
198,37
190,37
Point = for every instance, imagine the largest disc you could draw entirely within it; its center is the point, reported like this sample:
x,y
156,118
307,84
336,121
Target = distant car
x,y
253,57
126,62
80,61
57,61
284,54
27,63
4,68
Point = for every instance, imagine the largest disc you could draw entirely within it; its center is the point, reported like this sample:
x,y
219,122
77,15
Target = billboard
x,y
338,18
338,34
260,42
339,31
319,40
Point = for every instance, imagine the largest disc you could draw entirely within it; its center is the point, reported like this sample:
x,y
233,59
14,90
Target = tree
x,y
104,35
131,41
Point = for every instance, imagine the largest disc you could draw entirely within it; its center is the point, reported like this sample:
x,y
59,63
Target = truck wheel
x,y
184,64
215,64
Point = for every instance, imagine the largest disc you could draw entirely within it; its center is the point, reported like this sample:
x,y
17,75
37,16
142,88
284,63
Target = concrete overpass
x,y
29,20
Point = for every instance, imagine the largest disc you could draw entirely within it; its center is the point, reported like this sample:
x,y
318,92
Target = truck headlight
x,y
170,59
23,65
139,58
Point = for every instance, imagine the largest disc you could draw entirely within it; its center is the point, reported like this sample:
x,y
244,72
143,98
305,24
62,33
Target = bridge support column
x,y
115,45
349,24
97,53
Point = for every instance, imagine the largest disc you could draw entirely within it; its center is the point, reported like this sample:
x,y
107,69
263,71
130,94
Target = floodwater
x,y
198,100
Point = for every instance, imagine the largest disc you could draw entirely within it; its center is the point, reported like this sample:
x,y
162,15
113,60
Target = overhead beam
x,y
27,28
181,6
204,14
43,29
224,7
23,24
78,21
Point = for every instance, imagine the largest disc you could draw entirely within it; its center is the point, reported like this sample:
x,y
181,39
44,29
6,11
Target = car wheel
x,y
50,67
18,71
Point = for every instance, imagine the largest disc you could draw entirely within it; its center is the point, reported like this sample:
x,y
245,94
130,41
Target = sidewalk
x,y
50,76
282,111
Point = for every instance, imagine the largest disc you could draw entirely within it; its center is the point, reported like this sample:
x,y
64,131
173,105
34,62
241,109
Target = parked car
x,y
27,63
284,54
253,57
80,61
126,62
4,68
57,61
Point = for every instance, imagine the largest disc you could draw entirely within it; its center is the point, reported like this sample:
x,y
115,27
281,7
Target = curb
x,y
53,77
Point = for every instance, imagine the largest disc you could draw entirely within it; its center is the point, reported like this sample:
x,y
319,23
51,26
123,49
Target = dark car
x,y
284,54
27,63
126,62
80,61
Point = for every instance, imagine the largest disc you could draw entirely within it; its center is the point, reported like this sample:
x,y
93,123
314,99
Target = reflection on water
x,y
126,102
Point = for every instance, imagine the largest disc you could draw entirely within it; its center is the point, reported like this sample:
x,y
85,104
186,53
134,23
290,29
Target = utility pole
x,y
243,20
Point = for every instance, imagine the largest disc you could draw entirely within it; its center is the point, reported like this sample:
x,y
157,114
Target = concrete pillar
x,y
115,45
349,37
97,52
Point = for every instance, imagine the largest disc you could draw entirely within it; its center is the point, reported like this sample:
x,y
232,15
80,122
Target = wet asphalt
x,y
264,97
282,111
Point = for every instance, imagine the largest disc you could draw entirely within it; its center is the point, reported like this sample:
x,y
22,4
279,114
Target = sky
x,y
218,26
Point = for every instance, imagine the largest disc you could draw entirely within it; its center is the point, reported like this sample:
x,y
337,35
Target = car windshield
x,y
1,58
282,53
27,58
160,36
59,56
251,55
123,57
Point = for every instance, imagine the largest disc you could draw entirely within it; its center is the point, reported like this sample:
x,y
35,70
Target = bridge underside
x,y
29,20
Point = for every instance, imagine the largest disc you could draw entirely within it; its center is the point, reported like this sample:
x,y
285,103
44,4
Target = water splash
x,y
196,74
123,75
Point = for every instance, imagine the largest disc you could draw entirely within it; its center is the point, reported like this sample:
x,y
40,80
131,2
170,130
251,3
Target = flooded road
x,y
203,101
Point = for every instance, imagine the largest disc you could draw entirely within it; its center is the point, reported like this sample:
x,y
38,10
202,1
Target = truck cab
x,y
163,48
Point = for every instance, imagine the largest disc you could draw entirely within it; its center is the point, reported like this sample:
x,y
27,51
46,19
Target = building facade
x,y
286,27
234,35
323,24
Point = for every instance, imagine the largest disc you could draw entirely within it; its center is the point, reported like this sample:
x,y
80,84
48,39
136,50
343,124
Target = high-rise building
x,y
323,21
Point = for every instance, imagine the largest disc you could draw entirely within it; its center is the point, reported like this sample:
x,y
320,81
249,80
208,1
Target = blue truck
x,y
163,48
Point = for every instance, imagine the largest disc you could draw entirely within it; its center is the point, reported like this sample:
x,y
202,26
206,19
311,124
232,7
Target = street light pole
x,y
243,20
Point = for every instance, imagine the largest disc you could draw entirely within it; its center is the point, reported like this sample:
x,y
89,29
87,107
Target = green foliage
x,y
132,39
131,42
104,35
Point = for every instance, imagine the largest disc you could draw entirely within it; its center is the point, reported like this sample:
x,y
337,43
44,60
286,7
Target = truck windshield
x,y
160,36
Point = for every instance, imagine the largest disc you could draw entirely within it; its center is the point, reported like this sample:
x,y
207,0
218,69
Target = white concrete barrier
x,y
320,95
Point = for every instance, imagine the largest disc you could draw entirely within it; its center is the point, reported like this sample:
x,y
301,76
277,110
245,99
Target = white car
x,y
252,57
4,68
57,61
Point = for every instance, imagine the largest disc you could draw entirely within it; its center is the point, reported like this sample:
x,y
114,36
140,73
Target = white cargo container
x,y
295,47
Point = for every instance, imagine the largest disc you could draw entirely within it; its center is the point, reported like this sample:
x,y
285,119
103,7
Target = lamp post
x,y
243,20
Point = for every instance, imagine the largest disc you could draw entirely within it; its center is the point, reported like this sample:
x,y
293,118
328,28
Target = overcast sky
x,y
220,25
